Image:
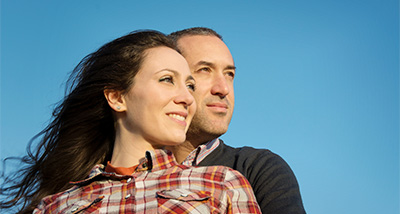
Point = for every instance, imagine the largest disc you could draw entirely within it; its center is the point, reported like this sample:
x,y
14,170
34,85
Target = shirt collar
x,y
201,152
160,159
154,160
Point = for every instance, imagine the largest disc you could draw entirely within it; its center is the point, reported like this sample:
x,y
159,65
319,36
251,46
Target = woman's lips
x,y
179,117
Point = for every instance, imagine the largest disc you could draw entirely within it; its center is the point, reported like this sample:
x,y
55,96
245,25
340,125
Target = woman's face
x,y
159,105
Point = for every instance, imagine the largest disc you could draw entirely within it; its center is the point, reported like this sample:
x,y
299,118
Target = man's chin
x,y
203,135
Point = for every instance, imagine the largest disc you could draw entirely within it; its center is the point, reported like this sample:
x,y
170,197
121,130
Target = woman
x,y
127,101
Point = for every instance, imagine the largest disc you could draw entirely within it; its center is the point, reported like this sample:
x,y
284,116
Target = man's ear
x,y
115,100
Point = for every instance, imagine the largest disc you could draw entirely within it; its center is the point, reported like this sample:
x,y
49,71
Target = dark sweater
x,y
274,183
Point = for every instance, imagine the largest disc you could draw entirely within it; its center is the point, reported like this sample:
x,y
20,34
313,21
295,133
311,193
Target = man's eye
x,y
205,69
167,79
231,74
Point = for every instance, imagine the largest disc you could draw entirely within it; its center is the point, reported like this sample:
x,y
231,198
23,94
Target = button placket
x,y
129,183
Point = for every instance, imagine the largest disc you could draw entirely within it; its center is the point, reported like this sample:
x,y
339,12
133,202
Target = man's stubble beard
x,y
202,129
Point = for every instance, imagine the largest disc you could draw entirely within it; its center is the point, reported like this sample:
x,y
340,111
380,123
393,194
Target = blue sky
x,y
317,81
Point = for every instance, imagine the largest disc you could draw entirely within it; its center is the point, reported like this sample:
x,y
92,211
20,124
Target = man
x,y
212,65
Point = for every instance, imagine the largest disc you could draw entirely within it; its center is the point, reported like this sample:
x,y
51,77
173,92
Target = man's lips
x,y
218,107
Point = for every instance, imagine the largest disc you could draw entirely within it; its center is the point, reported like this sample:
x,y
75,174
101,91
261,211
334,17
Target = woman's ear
x,y
115,100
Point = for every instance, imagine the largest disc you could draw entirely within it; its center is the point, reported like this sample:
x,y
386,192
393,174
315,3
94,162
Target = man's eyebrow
x,y
205,63
230,67
210,64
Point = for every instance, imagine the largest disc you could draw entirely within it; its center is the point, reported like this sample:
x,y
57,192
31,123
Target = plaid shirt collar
x,y
154,160
201,152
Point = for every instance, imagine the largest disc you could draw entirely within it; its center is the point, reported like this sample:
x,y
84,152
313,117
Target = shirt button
x,y
129,180
184,195
127,196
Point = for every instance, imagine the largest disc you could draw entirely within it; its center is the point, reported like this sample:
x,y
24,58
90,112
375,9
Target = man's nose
x,y
220,86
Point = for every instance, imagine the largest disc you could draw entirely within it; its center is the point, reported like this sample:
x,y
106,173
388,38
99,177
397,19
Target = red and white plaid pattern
x,y
159,185
201,152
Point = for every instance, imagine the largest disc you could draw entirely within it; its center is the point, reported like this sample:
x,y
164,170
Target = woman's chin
x,y
176,141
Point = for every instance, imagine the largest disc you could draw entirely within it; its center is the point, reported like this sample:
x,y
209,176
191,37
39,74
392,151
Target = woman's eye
x,y
191,86
167,79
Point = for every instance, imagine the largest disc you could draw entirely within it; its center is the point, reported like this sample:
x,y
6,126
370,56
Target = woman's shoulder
x,y
216,173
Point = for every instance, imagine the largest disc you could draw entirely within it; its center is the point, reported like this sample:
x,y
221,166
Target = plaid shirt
x,y
159,185
201,152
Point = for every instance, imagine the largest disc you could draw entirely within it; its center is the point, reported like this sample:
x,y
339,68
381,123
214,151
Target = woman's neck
x,y
129,150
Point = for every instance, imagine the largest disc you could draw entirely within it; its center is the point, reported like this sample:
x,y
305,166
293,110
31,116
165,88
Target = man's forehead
x,y
197,37
207,48
195,42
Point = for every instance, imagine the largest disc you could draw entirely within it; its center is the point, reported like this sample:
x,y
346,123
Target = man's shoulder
x,y
246,152
235,157
274,183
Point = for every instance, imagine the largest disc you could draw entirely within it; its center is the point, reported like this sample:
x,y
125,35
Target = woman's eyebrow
x,y
190,77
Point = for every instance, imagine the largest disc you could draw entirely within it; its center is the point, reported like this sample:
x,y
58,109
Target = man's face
x,y
212,66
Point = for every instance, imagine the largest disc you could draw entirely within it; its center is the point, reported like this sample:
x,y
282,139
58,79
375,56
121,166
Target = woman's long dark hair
x,y
81,132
